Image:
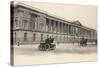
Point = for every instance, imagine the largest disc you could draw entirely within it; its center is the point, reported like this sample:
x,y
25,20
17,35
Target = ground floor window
x,y
41,36
34,37
15,37
25,36
47,36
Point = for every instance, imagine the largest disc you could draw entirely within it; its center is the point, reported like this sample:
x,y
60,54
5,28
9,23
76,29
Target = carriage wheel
x,y
47,47
54,47
39,47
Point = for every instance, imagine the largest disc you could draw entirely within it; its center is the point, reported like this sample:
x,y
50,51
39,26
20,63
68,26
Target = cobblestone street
x,y
64,53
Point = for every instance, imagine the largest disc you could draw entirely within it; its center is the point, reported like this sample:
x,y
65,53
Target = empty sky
x,y
87,15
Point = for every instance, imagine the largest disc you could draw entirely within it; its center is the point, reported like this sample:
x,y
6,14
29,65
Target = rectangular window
x,y
33,20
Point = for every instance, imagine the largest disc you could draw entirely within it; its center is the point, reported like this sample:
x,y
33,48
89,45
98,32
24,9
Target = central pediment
x,y
77,22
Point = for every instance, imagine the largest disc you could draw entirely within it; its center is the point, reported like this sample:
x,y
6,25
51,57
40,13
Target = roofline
x,y
41,11
47,14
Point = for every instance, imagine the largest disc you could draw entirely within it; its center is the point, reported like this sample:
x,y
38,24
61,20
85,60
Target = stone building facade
x,y
31,25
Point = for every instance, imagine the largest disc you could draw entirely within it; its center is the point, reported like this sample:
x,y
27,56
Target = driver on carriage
x,y
49,40
83,42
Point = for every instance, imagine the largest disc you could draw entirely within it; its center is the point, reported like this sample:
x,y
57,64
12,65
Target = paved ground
x,y
29,54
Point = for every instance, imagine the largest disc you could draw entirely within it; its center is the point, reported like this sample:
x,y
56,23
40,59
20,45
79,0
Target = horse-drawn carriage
x,y
47,44
83,42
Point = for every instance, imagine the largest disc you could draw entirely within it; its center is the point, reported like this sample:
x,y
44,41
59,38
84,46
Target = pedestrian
x,y
18,43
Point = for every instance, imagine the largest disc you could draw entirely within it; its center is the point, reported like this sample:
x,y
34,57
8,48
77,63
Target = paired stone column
x,y
64,32
36,23
54,26
62,28
49,25
58,27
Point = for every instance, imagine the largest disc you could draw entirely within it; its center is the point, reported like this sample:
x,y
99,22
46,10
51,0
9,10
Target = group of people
x,y
49,40
83,42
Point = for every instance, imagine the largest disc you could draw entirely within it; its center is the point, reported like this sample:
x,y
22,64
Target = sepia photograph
x,y
52,33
